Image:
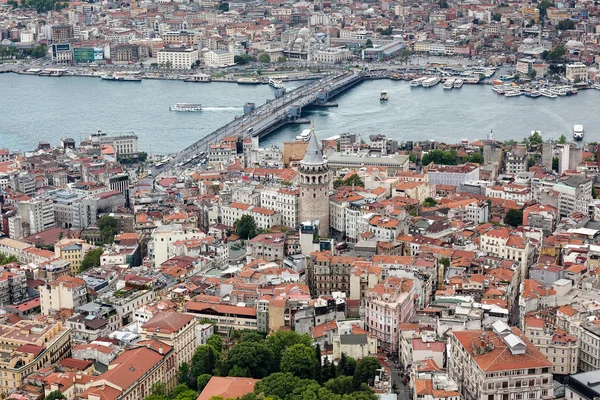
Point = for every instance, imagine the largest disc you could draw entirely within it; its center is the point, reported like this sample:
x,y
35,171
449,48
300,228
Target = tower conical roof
x,y
313,155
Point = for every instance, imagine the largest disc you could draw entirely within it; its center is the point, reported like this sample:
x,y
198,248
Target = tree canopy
x,y
250,359
429,202
300,360
352,180
55,395
557,53
264,58
514,217
92,259
562,139
366,369
108,228
245,227
4,259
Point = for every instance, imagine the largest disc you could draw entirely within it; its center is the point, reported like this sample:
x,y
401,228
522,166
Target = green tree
x,y
204,360
562,139
476,158
555,164
39,51
497,17
543,6
158,389
142,156
318,373
530,163
55,395
281,59
281,340
443,3
440,157
216,343
245,227
366,369
514,217
4,259
300,360
243,59
202,381
91,259
369,44
566,25
532,74
346,365
341,385
250,359
352,180
535,138
557,53
252,336
264,58
108,228
429,202
183,374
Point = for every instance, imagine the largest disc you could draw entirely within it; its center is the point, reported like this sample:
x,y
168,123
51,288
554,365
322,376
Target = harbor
x,y
408,114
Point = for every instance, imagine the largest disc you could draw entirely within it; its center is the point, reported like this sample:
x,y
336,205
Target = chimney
x,y
160,350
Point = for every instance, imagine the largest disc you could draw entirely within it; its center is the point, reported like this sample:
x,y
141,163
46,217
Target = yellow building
x,y
27,346
72,251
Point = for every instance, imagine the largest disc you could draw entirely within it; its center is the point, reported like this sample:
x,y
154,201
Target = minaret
x,y
314,186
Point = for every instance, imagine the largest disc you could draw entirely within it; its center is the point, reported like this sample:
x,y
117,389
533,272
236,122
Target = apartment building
x,y
561,349
516,160
162,244
577,72
500,364
37,213
224,316
285,202
452,174
29,346
327,273
13,286
125,144
588,333
73,251
131,375
264,218
178,57
218,59
386,306
175,329
574,194
501,242
269,247
65,292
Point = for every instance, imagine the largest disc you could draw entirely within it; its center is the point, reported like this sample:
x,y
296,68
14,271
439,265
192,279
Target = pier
x,y
284,109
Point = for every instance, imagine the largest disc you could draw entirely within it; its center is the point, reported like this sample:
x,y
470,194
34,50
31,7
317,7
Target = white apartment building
x,y
283,201
497,365
577,72
264,218
164,237
218,59
588,333
65,292
178,57
385,229
125,144
38,213
575,193
500,242
452,174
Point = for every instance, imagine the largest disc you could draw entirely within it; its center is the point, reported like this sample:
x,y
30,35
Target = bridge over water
x,y
275,113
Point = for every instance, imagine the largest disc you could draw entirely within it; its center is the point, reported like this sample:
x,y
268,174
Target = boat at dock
x,y
186,107
304,136
383,96
418,82
512,93
533,94
248,81
430,82
276,83
458,83
198,78
121,77
578,132
548,93
449,84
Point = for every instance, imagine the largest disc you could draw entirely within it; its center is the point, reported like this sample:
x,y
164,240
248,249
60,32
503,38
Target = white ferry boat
x,y
449,84
248,81
383,96
121,77
276,83
430,82
418,82
512,93
186,107
458,83
578,132
548,93
304,136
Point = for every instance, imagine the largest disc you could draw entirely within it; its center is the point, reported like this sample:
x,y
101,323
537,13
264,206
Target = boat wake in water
x,y
222,108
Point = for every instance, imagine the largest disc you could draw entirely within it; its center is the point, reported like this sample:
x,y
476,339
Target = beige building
x,y
65,292
178,57
224,316
560,349
218,59
356,346
499,364
176,330
577,72
27,346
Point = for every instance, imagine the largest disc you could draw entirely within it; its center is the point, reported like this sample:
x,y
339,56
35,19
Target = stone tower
x,y
314,186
